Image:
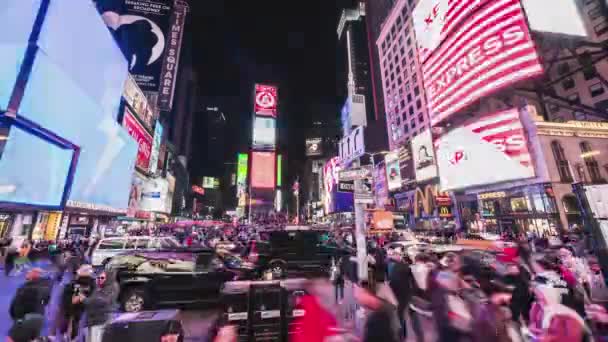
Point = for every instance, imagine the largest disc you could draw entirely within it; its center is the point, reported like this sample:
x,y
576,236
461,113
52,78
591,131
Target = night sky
x,y
292,44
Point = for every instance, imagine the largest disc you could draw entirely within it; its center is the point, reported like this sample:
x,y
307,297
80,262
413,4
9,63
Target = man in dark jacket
x,y
99,305
399,281
31,297
73,297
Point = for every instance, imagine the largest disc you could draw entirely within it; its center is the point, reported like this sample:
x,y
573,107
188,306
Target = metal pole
x,y
360,234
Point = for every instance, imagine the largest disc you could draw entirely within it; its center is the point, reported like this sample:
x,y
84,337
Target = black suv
x,y
176,277
294,252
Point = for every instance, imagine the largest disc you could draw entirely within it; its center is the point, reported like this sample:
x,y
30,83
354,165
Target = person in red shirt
x,y
317,322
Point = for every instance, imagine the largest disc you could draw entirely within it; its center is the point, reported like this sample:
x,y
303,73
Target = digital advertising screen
x,y
555,16
264,133
32,170
425,165
16,22
263,170
158,136
487,51
100,72
331,172
492,149
393,171
279,170
314,147
406,164
142,137
265,100
242,169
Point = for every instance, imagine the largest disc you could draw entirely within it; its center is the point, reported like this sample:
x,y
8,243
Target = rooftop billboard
x,y
265,100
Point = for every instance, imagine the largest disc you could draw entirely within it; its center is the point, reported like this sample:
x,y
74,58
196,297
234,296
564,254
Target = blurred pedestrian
x,y
399,282
31,297
73,297
382,323
99,306
318,323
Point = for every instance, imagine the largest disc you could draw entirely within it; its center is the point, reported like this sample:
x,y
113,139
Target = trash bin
x,y
235,307
144,326
293,289
266,303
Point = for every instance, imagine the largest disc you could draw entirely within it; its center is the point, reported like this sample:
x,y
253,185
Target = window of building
x,y
406,128
404,13
568,83
601,28
409,97
574,98
399,81
561,162
392,78
411,54
403,62
413,67
408,42
420,118
596,89
594,13
400,40
413,124
416,91
590,162
402,104
407,87
411,110
402,51
398,69
418,104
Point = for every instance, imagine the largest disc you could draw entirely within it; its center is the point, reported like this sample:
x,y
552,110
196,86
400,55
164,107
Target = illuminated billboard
x,y
489,50
393,171
265,100
264,133
158,136
279,170
142,137
241,177
263,170
314,147
492,149
555,16
425,166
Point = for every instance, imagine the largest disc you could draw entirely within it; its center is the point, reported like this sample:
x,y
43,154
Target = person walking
x,y
399,281
73,297
99,306
27,308
381,323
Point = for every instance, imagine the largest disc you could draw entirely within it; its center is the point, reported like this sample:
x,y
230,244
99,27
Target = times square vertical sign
x,y
150,35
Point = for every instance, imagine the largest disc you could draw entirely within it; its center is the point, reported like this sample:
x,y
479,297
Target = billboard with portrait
x,y
491,48
266,101
393,171
263,170
242,170
425,165
142,137
264,133
491,149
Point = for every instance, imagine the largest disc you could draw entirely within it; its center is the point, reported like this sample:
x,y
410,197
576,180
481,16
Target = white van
x,y
105,249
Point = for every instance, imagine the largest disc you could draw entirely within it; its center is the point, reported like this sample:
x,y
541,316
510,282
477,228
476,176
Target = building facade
x,y
403,90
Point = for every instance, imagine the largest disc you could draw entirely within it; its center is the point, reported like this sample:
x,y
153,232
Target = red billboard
x,y
143,138
266,101
262,170
489,50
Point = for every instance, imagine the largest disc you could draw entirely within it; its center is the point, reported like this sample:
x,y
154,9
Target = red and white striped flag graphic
x,y
490,50
504,129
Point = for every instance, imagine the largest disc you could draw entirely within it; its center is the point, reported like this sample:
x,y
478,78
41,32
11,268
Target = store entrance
x,y
539,226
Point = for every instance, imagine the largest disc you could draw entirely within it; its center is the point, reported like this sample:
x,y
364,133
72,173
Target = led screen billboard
x,y
241,177
263,170
555,16
16,23
425,165
142,137
489,50
32,170
279,170
314,147
393,171
158,136
265,101
492,149
100,72
434,20
264,133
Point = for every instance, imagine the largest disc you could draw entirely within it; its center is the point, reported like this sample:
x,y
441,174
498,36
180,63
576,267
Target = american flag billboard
x,y
487,51
489,150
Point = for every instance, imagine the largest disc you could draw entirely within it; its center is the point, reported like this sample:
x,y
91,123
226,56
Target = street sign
x,y
356,174
365,187
364,199
346,187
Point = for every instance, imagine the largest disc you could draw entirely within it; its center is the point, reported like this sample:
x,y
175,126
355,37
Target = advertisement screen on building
x,y
314,147
154,195
492,149
489,50
142,29
406,164
32,170
279,170
265,101
209,182
264,133
393,171
158,136
425,165
331,172
555,16
142,137
139,104
380,186
263,170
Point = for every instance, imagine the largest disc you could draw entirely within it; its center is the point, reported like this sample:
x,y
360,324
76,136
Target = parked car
x,y
175,278
295,251
107,248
